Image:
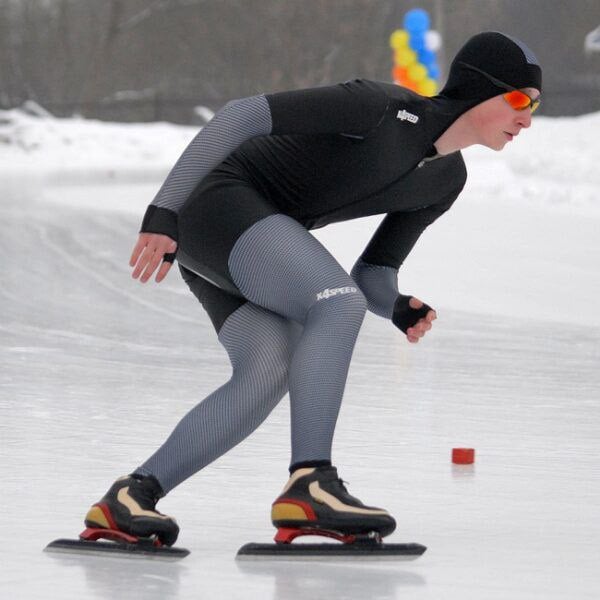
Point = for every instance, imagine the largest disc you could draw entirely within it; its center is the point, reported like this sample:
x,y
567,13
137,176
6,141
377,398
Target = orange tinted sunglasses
x,y
516,98
520,100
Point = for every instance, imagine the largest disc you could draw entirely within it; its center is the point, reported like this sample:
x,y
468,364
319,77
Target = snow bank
x,y
35,143
553,164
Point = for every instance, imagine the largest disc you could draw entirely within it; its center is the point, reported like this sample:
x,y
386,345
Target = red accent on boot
x,y
106,512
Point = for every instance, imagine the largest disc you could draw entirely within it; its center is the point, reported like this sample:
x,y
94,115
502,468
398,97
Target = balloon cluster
x,y
415,47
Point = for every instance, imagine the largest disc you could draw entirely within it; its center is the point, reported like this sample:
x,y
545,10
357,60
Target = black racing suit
x,y
240,201
333,153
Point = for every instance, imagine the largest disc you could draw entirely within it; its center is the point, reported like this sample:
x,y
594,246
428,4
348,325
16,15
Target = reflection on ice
x,y
106,577
333,579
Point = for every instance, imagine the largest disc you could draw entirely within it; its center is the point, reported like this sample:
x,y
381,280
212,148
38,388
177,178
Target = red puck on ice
x,y
463,456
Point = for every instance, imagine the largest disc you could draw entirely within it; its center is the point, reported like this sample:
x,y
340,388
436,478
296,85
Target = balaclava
x,y
499,55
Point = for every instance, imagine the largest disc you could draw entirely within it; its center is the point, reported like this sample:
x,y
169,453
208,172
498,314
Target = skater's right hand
x,y
148,254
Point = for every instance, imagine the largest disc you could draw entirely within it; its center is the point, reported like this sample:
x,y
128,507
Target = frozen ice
x,y
97,369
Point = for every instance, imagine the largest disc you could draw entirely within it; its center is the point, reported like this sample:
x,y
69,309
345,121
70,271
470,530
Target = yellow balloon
x,y
399,56
427,87
417,72
399,39
405,57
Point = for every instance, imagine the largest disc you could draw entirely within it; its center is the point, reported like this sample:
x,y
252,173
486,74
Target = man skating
x,y
237,209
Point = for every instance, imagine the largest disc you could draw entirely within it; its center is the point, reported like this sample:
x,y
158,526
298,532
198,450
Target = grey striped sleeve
x,y
379,284
236,122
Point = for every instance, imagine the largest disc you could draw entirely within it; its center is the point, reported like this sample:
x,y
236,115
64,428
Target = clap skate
x,y
315,502
127,518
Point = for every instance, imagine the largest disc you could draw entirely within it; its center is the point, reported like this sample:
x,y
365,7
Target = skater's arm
x,y
352,108
376,271
379,284
235,123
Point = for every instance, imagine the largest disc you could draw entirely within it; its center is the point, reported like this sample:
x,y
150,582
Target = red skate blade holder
x,y
286,535
362,546
123,544
92,534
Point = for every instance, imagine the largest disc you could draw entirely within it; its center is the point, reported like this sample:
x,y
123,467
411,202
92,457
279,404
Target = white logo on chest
x,y
404,115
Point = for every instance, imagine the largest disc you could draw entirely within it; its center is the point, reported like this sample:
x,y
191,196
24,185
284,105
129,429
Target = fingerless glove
x,y
405,316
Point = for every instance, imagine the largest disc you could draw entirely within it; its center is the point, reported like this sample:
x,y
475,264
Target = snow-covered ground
x,y
96,369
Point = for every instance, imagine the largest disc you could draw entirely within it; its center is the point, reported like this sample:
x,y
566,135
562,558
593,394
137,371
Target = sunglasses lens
x,y
520,101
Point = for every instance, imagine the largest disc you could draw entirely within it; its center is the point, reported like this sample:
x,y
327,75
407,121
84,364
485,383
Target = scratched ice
x,y
96,370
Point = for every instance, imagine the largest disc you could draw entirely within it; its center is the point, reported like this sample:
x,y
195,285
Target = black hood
x,y
498,55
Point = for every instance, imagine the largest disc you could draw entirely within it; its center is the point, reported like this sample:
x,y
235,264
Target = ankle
x,y
308,464
151,483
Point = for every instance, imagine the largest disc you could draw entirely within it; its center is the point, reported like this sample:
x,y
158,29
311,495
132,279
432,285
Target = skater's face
x,y
496,122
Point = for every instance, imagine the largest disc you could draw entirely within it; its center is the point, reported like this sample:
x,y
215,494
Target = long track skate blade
x,y
138,550
333,551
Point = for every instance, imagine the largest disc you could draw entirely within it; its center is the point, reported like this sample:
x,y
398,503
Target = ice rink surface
x,y
97,369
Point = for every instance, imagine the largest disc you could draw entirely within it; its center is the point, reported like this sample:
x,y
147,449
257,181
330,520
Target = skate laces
x,y
146,493
343,484
332,476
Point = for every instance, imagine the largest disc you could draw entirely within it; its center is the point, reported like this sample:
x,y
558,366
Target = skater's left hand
x,y
413,317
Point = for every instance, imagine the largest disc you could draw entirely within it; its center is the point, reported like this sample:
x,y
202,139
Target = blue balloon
x,y
416,19
417,42
427,57
434,70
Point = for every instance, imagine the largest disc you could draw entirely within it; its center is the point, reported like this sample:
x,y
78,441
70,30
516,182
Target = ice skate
x,y
129,507
316,500
127,517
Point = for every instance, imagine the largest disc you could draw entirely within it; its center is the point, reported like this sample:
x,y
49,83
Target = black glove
x,y
405,316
